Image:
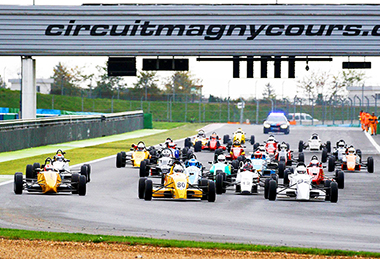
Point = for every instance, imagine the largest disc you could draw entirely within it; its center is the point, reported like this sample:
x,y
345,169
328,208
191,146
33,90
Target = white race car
x,y
314,144
300,187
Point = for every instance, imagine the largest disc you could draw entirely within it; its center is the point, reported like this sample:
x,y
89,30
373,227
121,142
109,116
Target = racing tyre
x,y
188,142
143,169
74,183
255,146
339,177
82,185
331,164
252,140
328,146
18,183
333,192
211,197
238,188
281,169
327,189
141,187
241,158
203,184
272,190
185,152
219,184
124,159
301,157
88,172
198,146
226,138
148,190
359,153
266,188
83,171
235,164
370,165
300,146
36,165
119,160
324,155
286,177
29,172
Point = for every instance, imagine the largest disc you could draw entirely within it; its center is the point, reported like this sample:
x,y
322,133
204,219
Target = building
x,y
43,85
370,94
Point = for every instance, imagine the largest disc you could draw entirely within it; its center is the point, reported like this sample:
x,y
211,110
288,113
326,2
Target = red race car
x,y
315,170
236,150
213,143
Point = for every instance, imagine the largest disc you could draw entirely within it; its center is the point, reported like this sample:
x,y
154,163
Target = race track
x,y
111,206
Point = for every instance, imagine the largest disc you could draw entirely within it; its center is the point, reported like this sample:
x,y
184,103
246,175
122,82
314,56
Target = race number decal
x,y
181,185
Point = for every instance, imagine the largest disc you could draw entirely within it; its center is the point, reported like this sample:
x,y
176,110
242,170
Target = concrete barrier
x,y
21,134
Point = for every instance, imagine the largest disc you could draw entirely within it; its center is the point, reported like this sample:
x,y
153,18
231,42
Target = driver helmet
x,y
314,136
341,143
271,138
167,141
192,162
314,161
166,153
236,143
351,150
59,157
301,169
283,146
201,133
221,158
171,145
239,130
140,146
248,167
258,154
48,167
178,169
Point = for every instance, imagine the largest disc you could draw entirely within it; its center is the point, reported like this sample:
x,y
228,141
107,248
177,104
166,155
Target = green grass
x,y
80,155
79,237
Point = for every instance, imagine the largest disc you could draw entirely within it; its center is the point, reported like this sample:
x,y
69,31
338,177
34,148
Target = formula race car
x,y
239,136
300,187
138,153
351,161
157,165
235,151
314,144
200,143
315,170
60,163
47,179
177,186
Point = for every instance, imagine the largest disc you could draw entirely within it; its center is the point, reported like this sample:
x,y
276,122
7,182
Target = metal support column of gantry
x,y
28,88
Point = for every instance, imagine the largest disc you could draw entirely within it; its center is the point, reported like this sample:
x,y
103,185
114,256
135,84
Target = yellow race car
x,y
138,154
239,136
47,179
176,186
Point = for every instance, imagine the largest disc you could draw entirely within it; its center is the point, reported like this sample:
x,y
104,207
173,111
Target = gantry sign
x,y
242,32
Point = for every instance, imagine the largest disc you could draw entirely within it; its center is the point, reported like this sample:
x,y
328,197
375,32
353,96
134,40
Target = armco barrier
x,y
20,134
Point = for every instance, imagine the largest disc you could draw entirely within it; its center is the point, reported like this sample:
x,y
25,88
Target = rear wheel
x,y
255,146
88,172
211,197
143,169
36,165
74,183
219,184
198,146
18,184
29,172
281,169
82,185
226,138
83,171
148,190
119,160
331,164
235,164
252,140
324,155
124,159
333,192
286,177
370,165
328,146
300,146
272,190
327,189
141,187
266,188
339,177
188,142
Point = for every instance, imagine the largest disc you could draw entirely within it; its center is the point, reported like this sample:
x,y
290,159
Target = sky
x,y
216,76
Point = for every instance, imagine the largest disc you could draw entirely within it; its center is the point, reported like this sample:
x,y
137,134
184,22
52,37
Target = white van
x,y
302,118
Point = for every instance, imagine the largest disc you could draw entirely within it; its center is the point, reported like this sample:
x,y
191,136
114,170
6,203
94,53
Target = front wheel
x,y
82,185
148,190
301,157
300,146
266,188
281,169
324,155
370,165
219,184
18,183
252,140
211,197
141,187
272,194
339,177
331,164
333,192
198,146
119,160
143,169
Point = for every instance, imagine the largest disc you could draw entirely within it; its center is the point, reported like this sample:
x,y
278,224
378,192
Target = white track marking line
x,y
4,183
372,141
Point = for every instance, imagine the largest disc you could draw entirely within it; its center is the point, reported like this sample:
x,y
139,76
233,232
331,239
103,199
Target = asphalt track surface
x,y
111,206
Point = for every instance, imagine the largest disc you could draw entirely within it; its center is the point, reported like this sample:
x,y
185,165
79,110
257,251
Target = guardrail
x,y
20,134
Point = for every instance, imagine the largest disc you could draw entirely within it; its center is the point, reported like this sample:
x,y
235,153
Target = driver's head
x,y
221,158
301,169
48,167
178,169
140,146
351,150
258,154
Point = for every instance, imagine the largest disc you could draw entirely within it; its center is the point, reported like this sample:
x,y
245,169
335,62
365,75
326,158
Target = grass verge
x,y
80,155
79,237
